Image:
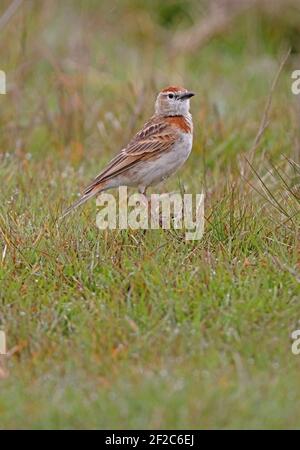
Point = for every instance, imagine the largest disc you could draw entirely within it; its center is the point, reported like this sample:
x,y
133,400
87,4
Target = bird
x,y
156,152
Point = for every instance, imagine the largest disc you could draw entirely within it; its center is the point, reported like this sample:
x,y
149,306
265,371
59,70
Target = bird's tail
x,y
84,198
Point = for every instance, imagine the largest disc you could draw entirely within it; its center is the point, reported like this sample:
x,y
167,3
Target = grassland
x,y
126,329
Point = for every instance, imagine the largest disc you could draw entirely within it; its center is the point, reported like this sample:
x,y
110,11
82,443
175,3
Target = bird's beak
x,y
186,95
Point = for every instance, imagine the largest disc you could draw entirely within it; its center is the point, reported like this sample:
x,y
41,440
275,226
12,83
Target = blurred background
x,y
83,75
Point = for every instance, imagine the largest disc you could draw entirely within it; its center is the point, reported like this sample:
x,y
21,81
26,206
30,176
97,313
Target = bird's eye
x,y
171,95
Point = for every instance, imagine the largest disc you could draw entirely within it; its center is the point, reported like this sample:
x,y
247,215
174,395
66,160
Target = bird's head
x,y
173,101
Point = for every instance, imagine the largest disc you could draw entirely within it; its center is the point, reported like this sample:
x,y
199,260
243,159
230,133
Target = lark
x,y
156,152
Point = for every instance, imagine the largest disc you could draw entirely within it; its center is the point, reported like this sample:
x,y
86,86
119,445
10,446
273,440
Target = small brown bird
x,y
155,152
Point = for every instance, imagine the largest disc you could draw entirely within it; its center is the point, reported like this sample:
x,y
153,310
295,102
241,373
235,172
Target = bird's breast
x,y
182,148
183,124
165,164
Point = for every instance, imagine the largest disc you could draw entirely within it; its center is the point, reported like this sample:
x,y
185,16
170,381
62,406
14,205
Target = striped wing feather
x,y
156,136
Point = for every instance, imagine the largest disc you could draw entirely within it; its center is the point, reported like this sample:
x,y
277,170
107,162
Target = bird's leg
x,y
175,215
145,199
147,202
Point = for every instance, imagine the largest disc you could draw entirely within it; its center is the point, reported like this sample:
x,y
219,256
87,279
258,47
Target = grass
x,y
126,329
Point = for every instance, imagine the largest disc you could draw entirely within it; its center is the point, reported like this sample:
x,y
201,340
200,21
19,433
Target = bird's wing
x,y
156,136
